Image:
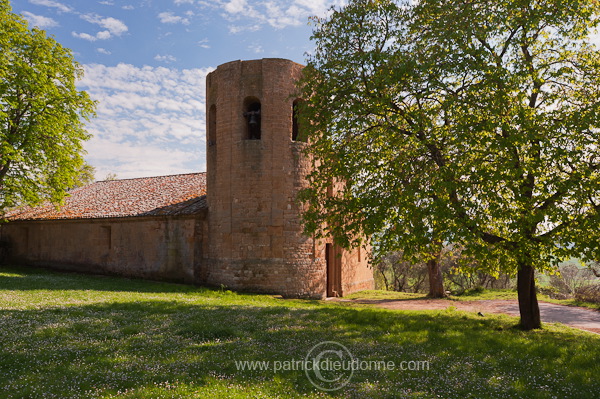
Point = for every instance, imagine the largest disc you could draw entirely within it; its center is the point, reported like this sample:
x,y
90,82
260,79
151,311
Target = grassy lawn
x,y
386,295
74,336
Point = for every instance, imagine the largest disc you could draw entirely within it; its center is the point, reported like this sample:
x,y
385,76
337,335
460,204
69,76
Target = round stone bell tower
x,y
255,168
254,171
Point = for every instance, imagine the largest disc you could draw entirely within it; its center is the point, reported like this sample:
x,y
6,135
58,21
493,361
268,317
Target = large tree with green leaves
x,y
42,114
466,122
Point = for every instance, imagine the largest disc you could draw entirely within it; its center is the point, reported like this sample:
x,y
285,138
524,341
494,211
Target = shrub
x,y
552,292
572,281
589,293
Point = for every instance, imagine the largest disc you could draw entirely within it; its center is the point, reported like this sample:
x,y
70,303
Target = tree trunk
x,y
385,280
436,283
528,303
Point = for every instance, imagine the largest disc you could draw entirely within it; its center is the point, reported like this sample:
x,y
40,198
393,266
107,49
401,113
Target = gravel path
x,y
582,318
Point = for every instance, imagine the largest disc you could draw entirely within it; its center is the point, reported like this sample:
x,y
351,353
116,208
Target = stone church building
x,y
237,224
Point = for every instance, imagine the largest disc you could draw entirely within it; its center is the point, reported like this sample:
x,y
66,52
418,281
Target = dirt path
x,y
585,319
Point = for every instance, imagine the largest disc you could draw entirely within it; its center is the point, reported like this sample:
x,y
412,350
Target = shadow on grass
x,y
374,301
33,278
102,349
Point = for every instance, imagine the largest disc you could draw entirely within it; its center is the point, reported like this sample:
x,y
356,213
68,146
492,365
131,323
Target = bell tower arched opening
x,y
252,113
212,125
296,131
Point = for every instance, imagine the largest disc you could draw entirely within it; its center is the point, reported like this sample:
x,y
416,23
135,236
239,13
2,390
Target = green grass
x,y
76,336
385,295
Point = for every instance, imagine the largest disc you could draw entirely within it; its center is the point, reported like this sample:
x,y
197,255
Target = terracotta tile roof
x,y
147,196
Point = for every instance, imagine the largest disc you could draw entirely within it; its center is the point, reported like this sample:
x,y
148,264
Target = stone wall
x,y
160,248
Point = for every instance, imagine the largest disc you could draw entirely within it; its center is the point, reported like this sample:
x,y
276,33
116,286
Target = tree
x,y
474,123
85,175
41,115
111,176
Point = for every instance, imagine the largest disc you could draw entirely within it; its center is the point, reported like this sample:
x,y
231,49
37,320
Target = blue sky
x,y
146,61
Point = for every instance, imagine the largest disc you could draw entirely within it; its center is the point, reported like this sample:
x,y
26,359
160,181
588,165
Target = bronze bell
x,y
252,117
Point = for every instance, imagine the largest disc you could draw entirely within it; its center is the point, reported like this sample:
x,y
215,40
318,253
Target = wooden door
x,y
334,270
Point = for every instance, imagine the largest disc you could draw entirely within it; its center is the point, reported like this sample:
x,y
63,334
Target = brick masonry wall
x,y
255,238
162,248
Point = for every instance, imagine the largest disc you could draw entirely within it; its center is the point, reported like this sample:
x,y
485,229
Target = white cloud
x,y
39,20
128,7
170,18
103,51
256,48
53,4
236,6
103,35
113,25
165,58
84,36
245,15
151,121
241,28
317,6
130,160
204,43
278,14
